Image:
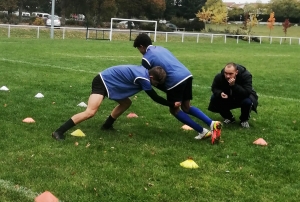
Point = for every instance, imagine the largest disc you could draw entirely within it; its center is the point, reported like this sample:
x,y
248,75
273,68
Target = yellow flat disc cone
x,y
78,133
189,164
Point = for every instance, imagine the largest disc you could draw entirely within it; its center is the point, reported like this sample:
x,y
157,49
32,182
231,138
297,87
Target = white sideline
x,y
46,65
260,95
80,70
7,185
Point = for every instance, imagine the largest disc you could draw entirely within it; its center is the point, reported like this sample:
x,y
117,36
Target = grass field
x,y
140,162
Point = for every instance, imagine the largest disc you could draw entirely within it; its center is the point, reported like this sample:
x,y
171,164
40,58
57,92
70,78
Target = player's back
x,y
175,70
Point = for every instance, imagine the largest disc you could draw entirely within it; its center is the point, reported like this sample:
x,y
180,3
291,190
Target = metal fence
x,y
104,34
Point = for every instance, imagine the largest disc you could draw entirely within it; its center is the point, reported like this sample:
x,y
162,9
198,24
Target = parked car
x,y
124,24
172,26
57,22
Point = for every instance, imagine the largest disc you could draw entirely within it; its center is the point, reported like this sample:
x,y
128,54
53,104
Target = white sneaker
x,y
205,133
245,124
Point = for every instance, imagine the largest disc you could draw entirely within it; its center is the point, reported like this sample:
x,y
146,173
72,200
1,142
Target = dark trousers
x,y
223,106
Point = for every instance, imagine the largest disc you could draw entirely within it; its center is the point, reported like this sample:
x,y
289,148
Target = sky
x,y
246,1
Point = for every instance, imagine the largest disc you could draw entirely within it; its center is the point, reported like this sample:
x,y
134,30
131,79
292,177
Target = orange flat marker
x,y
260,141
46,197
132,115
28,120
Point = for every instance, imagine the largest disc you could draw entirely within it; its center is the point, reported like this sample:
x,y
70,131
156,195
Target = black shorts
x,y
98,86
182,92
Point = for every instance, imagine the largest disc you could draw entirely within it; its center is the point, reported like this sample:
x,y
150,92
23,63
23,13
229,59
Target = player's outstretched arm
x,y
155,97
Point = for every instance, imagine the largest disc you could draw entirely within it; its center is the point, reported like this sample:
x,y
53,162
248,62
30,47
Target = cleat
x,y
205,133
216,131
58,136
104,127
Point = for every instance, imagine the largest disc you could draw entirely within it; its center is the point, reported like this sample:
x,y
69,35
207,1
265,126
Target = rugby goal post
x,y
133,20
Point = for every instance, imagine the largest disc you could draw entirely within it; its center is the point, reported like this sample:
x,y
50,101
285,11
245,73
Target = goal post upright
x,y
132,20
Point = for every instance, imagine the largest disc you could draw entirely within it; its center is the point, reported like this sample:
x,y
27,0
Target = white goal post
x,y
132,20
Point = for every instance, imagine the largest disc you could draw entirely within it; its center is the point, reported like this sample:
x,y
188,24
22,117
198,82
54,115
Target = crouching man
x,y
232,88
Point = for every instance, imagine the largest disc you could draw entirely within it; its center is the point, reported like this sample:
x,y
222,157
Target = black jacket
x,y
241,90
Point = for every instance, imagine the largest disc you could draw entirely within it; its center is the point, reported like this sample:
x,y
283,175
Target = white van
x,y
39,14
24,14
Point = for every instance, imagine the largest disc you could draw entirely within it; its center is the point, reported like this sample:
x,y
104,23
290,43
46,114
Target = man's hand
x,y
231,81
224,96
177,104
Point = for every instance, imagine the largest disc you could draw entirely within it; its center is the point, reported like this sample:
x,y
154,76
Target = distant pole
x,y
52,19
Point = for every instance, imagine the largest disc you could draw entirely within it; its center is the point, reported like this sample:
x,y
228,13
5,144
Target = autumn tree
x,y
218,11
286,24
271,22
204,16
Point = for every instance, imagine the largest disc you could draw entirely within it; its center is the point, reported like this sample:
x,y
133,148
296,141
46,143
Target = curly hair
x,y
142,40
158,74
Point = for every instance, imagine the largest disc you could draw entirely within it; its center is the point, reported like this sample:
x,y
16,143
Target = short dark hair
x,y
142,40
231,64
158,74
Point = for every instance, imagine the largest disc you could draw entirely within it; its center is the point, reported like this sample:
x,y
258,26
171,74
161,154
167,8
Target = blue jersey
x,y
175,70
124,81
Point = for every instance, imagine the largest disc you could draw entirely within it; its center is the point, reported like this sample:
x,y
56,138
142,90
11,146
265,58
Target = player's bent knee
x,y
90,113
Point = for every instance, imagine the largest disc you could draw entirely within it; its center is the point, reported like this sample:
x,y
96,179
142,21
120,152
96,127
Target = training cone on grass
x,y
78,133
28,120
39,95
82,104
4,88
189,163
260,141
46,197
186,127
132,115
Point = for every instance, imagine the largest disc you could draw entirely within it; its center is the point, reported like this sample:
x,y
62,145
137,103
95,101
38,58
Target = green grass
x,y
140,162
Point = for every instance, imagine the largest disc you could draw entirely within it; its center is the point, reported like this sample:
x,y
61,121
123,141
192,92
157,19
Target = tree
x,y
286,8
286,24
204,16
271,22
219,13
218,10
235,12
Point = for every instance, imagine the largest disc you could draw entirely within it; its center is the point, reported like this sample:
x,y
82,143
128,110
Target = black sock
x,y
109,122
66,126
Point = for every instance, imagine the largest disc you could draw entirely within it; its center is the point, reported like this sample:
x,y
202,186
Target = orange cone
x,y
46,197
186,127
260,141
132,115
28,120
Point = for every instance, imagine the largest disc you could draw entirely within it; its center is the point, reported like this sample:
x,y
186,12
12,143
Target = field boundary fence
x,y
164,36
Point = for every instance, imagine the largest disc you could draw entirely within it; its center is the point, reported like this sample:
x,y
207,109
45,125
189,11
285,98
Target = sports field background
x,y
140,162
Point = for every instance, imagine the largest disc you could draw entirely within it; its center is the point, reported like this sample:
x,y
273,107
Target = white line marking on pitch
x,y
99,56
46,65
7,185
273,55
80,70
260,95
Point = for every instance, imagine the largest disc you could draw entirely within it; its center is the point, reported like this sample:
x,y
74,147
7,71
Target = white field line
x,y
80,70
7,185
262,55
46,65
99,56
259,95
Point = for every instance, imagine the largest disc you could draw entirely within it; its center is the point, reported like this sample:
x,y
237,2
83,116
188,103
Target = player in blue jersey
x,y
178,86
118,83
